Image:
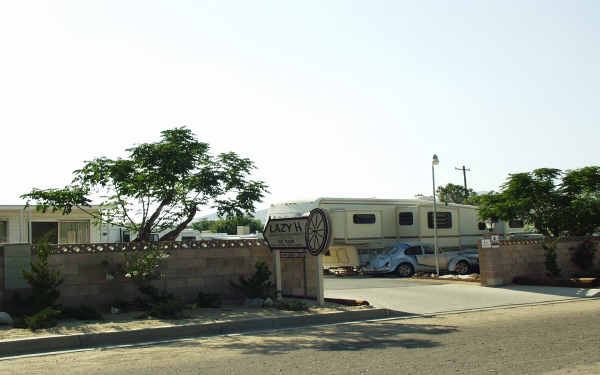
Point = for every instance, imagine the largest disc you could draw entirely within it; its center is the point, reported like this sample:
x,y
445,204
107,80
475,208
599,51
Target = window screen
x,y
75,232
3,231
405,218
363,219
515,224
444,219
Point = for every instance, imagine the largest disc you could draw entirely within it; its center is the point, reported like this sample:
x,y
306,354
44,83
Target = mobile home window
x,y
405,218
363,219
188,238
481,226
125,236
515,224
3,231
444,220
41,228
153,237
75,232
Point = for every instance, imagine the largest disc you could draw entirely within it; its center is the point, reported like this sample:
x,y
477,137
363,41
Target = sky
x,y
328,98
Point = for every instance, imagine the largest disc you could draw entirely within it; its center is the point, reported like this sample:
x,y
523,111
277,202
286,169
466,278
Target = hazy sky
x,y
329,98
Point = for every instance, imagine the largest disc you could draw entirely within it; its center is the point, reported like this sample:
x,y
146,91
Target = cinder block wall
x,y
207,267
499,266
1,275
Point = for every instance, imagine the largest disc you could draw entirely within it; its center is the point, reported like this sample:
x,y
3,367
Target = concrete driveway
x,y
433,296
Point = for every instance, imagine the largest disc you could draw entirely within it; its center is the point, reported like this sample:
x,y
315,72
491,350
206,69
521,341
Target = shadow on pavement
x,y
555,290
347,337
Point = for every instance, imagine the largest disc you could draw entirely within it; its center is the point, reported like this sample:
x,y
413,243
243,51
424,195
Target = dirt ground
x,y
132,320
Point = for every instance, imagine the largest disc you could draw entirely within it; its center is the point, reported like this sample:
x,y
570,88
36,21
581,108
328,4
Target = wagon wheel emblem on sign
x,y
317,232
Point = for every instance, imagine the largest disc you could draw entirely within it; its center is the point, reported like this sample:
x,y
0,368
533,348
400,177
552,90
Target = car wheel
x,y
462,268
405,270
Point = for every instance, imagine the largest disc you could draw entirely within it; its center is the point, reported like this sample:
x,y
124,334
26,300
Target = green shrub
x,y
46,318
167,309
552,268
123,306
83,312
258,285
43,280
209,300
292,305
583,254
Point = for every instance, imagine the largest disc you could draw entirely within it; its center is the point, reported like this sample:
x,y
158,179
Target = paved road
x,y
432,296
550,339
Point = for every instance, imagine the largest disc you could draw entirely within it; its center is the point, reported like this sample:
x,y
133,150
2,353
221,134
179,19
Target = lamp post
x,y
435,162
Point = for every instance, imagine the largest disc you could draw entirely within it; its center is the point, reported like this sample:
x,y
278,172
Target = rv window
x,y
444,220
3,231
405,218
363,219
481,226
515,223
413,250
428,249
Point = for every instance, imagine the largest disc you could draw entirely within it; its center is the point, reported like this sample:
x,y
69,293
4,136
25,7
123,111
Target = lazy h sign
x,y
301,233
286,233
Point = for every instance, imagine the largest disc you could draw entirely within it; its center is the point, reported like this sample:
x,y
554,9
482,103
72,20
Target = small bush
x,y
292,306
19,322
583,254
83,312
167,309
209,300
46,318
43,280
123,306
258,285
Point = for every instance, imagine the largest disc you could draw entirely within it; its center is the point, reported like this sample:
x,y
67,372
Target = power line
x,y
464,171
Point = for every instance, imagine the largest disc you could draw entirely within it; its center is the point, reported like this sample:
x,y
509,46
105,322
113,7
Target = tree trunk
x,y
172,235
144,234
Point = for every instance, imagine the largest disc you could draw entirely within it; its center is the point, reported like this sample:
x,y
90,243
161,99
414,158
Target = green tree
x,y
202,225
229,224
552,201
159,186
452,193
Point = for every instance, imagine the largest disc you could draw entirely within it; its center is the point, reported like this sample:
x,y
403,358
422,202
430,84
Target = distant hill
x,y
260,215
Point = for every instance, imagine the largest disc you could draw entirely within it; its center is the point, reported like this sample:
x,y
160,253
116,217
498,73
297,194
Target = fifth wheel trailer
x,y
362,227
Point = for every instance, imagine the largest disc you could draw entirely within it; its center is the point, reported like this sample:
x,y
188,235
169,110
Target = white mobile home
x,y
20,224
361,226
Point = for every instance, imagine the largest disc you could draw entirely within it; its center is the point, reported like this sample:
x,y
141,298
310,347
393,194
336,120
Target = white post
x,y
320,284
277,266
435,228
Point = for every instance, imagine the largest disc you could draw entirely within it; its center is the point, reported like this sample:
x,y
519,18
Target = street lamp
x,y
435,162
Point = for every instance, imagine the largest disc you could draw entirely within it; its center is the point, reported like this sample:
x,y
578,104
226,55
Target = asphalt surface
x,y
560,338
437,296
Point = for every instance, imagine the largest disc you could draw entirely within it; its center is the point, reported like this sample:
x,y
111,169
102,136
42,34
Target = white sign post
x,y
310,233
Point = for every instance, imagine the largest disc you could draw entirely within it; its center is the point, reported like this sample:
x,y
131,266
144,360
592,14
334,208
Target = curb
x,y
49,344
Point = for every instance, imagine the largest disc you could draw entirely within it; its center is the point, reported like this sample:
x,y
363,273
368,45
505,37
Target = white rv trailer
x,y
361,227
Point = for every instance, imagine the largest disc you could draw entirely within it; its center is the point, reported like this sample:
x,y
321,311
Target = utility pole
x,y
464,171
